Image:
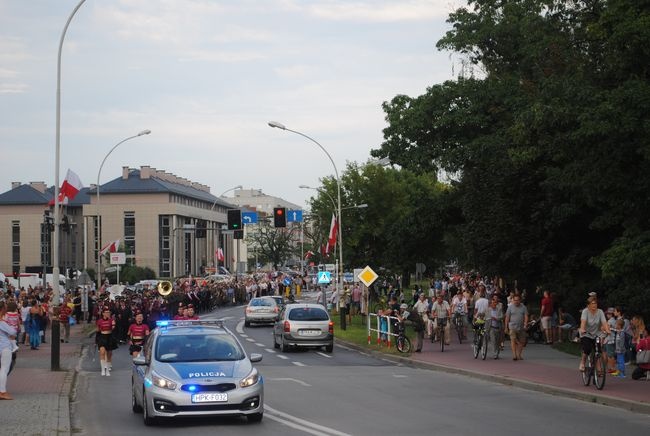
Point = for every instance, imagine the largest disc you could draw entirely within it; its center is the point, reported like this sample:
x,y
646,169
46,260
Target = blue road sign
x,y
249,217
287,281
324,277
294,216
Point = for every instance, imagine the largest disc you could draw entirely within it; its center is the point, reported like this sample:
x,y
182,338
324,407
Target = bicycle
x,y
439,335
595,366
403,343
479,345
381,304
458,323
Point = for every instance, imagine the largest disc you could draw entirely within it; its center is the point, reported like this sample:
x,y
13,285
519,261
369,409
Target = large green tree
x,y
550,141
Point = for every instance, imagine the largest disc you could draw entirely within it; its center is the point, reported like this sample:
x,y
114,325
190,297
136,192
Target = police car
x,y
195,368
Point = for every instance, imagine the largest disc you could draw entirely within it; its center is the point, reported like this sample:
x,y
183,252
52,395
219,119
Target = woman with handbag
x,y
642,357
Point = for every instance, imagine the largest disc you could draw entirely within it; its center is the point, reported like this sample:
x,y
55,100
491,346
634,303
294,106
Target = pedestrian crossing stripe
x,y
324,277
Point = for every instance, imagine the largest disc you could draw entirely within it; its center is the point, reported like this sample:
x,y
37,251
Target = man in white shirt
x,y
482,304
442,310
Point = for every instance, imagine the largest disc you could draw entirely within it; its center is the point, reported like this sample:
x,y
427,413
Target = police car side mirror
x,y
140,360
255,357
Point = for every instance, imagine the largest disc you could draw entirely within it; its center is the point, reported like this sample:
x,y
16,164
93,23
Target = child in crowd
x,y
620,349
383,327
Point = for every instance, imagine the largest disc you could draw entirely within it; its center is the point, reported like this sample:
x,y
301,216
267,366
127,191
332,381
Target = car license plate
x,y
309,332
209,398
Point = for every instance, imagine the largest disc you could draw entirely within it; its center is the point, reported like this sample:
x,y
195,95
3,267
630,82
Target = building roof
x,y
24,195
136,185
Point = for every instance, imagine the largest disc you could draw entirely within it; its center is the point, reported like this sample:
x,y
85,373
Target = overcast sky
x,y
206,76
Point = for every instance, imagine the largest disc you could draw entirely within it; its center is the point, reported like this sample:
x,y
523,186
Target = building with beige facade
x,y
167,223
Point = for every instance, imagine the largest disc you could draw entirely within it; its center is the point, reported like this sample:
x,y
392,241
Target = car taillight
x,y
331,327
287,327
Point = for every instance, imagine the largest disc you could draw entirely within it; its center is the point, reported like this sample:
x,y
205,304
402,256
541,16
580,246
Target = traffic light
x,y
238,234
280,216
234,219
16,275
65,224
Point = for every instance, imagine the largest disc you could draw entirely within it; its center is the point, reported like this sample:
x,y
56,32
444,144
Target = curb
x,y
602,399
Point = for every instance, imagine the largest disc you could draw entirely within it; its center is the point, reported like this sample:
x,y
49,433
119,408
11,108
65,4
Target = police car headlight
x,y
252,378
162,382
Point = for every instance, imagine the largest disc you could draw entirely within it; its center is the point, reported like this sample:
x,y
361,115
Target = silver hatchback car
x,y
195,368
303,325
261,310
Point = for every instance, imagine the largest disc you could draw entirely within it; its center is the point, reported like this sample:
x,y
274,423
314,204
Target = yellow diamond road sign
x,y
367,276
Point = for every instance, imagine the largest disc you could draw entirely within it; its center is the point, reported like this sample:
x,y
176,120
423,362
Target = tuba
x,y
165,288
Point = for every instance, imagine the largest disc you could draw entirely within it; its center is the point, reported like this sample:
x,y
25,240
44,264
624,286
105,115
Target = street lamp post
x,y
277,125
99,221
55,350
216,258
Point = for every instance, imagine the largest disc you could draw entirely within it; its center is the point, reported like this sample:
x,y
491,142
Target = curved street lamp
x,y
99,221
54,358
281,126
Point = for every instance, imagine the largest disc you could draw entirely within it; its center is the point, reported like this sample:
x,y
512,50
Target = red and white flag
x,y
219,254
111,247
331,240
309,254
69,188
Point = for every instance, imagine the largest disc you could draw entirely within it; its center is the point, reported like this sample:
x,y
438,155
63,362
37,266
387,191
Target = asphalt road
x,y
349,393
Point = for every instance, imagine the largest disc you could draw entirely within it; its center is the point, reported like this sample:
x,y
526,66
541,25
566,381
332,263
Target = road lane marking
x,y
260,345
291,379
250,339
240,327
400,376
298,363
268,350
323,354
282,357
243,335
309,427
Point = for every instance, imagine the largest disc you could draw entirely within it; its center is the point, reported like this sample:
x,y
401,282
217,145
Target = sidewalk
x,y
41,404
543,369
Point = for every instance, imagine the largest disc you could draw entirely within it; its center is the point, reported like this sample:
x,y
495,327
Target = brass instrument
x,y
165,288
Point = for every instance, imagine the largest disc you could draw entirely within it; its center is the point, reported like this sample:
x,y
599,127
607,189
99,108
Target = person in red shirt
x,y
106,342
181,313
546,315
189,312
65,312
138,333
643,368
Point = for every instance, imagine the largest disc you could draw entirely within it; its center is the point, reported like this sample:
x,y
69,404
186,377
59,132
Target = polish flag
x,y
331,240
309,254
111,247
69,188
219,254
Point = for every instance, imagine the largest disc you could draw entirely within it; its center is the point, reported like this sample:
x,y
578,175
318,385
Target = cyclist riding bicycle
x,y
459,309
592,323
439,311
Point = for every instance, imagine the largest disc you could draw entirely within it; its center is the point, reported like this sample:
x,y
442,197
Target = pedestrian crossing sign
x,y
324,277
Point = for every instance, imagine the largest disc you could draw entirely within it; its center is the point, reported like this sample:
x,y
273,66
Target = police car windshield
x,y
197,348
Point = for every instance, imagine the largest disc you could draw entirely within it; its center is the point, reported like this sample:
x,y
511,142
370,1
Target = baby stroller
x,y
534,331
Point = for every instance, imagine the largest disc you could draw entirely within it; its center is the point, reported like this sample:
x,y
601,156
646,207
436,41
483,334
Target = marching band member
x,y
138,333
181,312
189,312
105,340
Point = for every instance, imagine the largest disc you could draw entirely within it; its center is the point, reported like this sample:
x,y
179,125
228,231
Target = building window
x,y
129,236
164,238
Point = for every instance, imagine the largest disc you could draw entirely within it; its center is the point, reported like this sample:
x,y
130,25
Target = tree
x,y
551,143
274,246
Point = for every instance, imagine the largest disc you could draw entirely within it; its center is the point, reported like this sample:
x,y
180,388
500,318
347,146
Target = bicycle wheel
x,y
403,344
586,374
476,345
484,347
600,372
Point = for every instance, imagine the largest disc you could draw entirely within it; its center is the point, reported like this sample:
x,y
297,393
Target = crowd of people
x,y
509,315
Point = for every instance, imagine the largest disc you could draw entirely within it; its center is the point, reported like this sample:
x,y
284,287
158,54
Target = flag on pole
x,y
309,254
111,247
69,188
331,240
219,254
